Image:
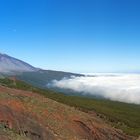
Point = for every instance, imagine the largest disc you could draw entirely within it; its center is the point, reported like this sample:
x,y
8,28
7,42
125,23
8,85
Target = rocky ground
x,y
29,116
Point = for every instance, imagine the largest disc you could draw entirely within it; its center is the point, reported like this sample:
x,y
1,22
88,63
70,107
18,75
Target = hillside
x,y
41,78
114,113
11,65
28,115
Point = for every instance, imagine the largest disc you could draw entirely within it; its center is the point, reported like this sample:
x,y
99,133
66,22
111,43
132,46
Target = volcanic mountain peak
x,y
10,64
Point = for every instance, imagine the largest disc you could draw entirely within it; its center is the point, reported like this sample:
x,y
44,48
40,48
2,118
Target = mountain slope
x,y
28,73
28,115
9,64
41,78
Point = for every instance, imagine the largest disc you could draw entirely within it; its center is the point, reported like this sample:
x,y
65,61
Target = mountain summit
x,y
9,64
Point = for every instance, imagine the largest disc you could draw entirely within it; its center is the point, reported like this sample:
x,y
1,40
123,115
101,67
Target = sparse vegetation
x,y
121,115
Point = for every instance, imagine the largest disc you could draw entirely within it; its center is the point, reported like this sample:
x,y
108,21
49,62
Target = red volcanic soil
x,y
26,115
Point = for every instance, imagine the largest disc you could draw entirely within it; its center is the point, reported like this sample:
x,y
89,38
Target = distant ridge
x,y
10,64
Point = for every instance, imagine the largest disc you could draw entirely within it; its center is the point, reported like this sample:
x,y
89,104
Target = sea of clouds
x,y
116,87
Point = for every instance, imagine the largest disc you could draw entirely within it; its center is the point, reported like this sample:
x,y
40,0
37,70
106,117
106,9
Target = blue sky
x,y
73,35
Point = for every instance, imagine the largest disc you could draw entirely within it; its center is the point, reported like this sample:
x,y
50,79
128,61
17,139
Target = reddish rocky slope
x,y
29,116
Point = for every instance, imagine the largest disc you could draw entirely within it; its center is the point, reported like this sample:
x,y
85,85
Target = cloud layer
x,y
124,88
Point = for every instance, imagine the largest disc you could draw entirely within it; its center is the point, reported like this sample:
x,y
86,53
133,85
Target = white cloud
x,y
124,87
